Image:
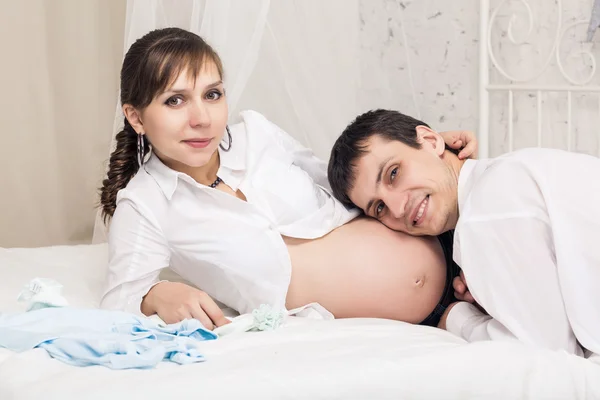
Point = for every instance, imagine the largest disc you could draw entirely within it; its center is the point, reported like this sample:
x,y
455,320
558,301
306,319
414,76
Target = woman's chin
x,y
197,160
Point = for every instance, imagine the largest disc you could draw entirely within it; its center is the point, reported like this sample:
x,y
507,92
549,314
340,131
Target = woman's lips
x,y
198,143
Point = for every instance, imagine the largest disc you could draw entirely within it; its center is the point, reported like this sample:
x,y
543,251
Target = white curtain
x,y
59,73
296,62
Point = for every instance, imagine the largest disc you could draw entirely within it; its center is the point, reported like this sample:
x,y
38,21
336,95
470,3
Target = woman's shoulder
x,y
252,117
140,202
255,124
260,133
142,191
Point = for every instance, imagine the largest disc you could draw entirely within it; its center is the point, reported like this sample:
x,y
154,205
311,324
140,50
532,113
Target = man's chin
x,y
420,233
426,231
402,229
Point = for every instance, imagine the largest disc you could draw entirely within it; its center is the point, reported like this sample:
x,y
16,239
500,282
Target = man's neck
x,y
454,163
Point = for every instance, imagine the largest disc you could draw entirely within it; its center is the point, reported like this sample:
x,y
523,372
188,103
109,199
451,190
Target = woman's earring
x,y
229,135
140,149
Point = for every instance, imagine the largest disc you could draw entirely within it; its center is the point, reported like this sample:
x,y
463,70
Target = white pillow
x,y
80,269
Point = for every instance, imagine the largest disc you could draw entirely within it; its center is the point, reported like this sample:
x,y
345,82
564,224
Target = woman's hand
x,y
174,302
464,140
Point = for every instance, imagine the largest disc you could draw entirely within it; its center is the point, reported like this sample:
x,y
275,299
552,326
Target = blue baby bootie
x,y
264,318
267,318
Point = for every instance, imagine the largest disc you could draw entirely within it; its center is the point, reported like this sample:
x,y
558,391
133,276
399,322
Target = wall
x,y
59,77
430,52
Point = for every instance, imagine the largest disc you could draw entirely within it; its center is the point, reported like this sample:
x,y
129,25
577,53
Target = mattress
x,y
304,359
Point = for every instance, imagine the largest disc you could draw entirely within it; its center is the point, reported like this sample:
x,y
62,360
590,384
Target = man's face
x,y
407,189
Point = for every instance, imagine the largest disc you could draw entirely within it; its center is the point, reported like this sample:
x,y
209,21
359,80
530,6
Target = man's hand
x,y
464,140
174,302
461,290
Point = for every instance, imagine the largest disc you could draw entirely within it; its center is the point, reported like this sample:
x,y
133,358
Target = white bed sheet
x,y
306,359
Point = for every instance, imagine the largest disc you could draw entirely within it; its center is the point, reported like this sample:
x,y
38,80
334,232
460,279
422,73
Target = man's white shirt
x,y
528,241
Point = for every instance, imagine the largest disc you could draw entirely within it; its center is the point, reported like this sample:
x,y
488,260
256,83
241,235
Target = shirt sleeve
x,y
466,321
505,246
137,253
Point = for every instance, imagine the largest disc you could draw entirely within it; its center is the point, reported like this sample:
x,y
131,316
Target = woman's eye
x,y
174,101
393,174
379,208
214,95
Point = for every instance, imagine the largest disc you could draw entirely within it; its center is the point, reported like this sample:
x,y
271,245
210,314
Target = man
x,y
525,225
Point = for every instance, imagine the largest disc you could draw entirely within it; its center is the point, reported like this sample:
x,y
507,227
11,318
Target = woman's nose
x,y
199,115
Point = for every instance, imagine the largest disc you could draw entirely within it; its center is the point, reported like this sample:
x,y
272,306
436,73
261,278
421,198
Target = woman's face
x,y
186,123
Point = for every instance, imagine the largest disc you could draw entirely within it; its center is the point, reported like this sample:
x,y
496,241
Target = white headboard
x,y
537,76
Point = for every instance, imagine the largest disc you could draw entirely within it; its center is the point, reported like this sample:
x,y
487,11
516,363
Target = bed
x,y
306,359
318,359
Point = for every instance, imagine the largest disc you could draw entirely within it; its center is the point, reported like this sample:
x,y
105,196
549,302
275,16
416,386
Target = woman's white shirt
x,y
231,249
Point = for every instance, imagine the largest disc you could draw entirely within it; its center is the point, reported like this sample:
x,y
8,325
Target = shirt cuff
x,y
134,304
462,318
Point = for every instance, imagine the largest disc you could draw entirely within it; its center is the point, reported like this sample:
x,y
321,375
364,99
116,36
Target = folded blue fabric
x,y
115,339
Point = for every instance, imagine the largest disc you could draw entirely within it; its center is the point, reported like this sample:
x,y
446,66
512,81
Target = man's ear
x,y
134,118
430,140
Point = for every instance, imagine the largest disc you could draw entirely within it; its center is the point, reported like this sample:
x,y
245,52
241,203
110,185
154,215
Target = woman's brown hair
x,y
151,65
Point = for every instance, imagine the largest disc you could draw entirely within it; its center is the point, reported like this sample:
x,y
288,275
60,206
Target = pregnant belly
x,y
364,269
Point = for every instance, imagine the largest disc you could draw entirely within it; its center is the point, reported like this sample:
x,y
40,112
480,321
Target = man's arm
x,y
511,272
505,244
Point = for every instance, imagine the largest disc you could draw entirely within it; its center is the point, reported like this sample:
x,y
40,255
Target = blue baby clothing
x,y
115,339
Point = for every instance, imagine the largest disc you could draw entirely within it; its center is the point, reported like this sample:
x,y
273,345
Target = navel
x,y
419,282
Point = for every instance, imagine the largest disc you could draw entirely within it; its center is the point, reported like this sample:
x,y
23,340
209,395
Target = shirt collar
x,y
232,160
165,177
465,183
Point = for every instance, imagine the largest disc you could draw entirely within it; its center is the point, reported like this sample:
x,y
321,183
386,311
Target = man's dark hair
x,y
352,144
